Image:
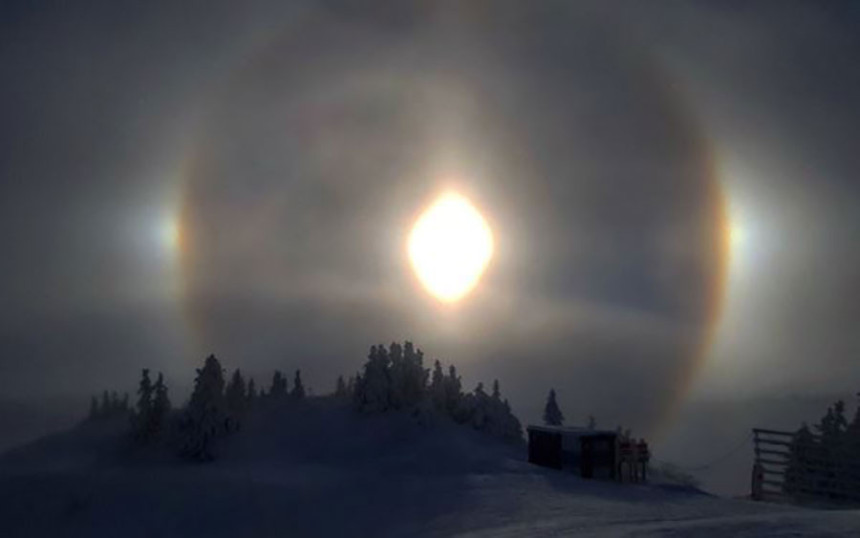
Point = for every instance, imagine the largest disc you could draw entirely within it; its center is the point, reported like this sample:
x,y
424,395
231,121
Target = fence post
x,y
757,477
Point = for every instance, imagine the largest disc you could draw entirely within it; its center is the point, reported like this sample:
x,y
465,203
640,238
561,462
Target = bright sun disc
x,y
450,247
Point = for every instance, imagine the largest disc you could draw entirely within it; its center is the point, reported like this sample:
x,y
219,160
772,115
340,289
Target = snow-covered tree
x,y
94,409
160,409
144,394
373,390
340,387
252,395
798,474
298,392
279,386
397,374
592,422
552,415
151,410
235,396
205,416
453,391
160,402
512,427
413,382
142,418
437,389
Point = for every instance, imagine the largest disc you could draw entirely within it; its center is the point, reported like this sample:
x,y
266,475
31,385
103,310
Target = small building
x,y
588,453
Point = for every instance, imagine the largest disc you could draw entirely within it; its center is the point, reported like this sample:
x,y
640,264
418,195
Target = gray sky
x,y
294,145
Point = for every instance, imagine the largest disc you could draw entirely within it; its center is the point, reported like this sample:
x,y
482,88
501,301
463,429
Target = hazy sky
x,y
611,146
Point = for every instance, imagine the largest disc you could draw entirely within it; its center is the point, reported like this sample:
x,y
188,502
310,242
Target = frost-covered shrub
x,y
395,378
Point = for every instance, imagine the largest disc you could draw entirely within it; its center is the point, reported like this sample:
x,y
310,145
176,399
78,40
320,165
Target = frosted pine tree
x,y
437,388
252,396
513,429
481,412
298,392
94,409
453,392
235,396
160,406
798,475
373,393
398,374
414,378
552,413
105,404
279,386
340,387
142,418
205,416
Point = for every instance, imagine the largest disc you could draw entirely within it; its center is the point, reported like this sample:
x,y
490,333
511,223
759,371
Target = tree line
x,y
825,460
216,408
392,378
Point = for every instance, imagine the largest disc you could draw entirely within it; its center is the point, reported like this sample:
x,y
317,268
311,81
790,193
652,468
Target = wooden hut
x,y
588,453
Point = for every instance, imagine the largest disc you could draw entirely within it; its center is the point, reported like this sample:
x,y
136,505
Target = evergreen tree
x,y
124,406
453,392
252,395
373,391
160,406
94,409
438,389
298,387
205,417
142,420
552,413
592,423
497,394
144,395
398,374
235,395
513,428
105,404
340,389
279,386
414,377
840,423
798,474
480,409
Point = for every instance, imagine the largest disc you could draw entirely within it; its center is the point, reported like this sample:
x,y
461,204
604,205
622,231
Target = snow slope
x,y
318,469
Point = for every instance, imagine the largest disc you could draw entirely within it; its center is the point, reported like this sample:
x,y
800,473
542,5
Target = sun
x,y
450,246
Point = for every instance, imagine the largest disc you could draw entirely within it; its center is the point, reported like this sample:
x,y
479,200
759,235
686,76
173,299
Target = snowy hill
x,y
317,468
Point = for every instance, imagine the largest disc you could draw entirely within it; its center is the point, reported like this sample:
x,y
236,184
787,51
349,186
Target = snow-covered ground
x,y
318,469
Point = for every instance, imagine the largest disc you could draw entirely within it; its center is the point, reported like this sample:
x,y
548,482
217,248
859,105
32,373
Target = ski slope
x,y
318,469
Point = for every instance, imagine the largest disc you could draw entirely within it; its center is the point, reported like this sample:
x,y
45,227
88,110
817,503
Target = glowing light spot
x,y
450,247
171,235
737,237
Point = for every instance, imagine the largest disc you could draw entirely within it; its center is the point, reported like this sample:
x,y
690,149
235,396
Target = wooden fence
x,y
789,470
